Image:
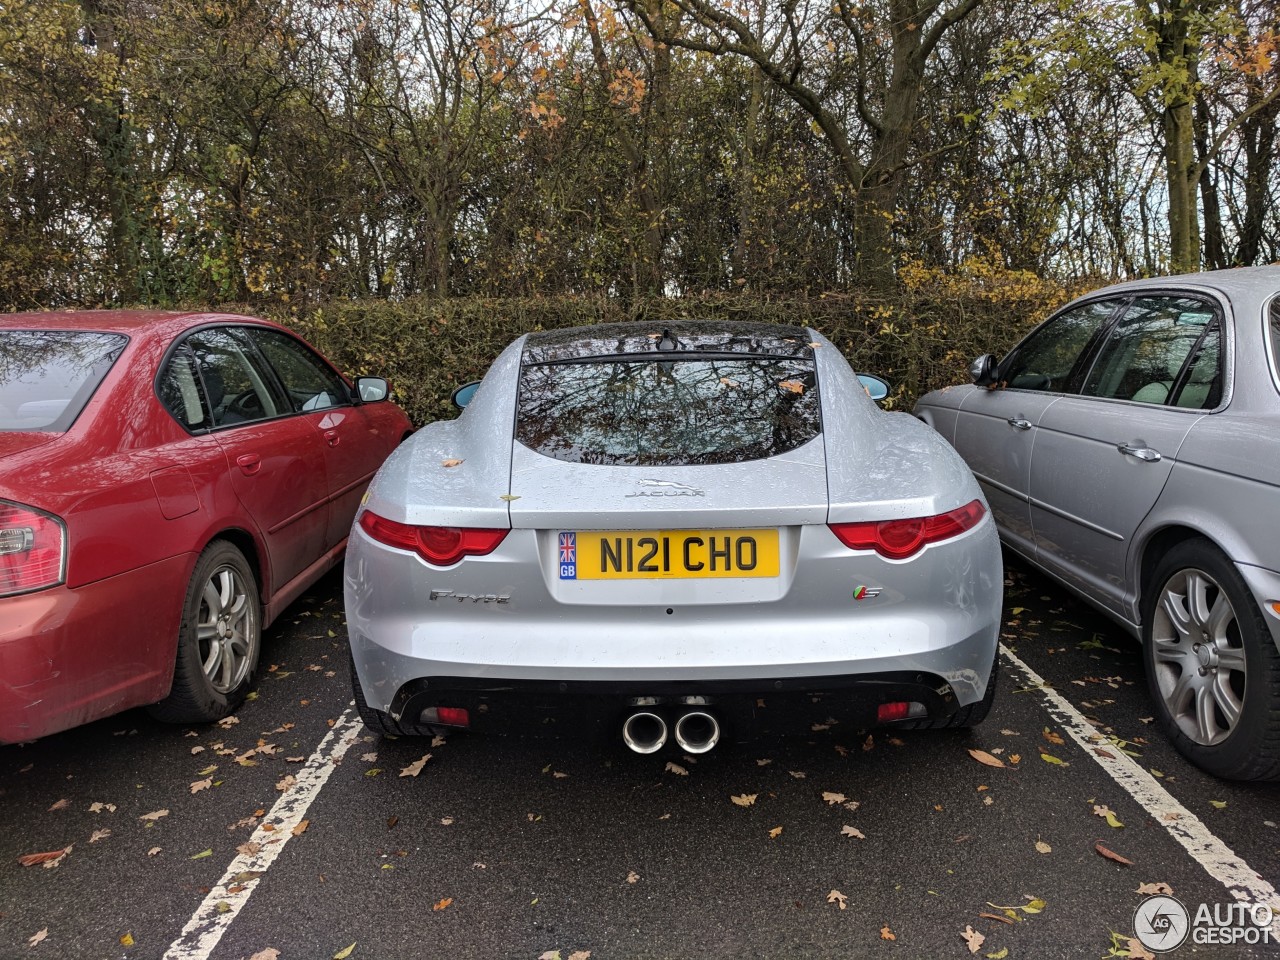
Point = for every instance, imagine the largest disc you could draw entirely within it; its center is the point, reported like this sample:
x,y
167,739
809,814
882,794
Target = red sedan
x,y
169,483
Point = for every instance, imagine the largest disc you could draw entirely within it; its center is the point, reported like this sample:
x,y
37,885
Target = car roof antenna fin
x,y
667,341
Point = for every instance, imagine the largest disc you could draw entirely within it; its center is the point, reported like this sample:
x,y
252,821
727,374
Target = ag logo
x,y
861,593
1161,923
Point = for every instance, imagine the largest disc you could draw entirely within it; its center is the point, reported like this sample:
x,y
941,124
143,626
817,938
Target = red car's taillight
x,y
33,549
441,546
899,539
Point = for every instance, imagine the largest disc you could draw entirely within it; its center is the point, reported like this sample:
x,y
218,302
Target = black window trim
x,y
1084,361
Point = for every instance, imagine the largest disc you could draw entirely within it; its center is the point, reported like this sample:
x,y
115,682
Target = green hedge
x,y
918,340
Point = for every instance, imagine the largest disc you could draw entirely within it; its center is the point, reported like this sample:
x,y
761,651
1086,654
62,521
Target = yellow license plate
x,y
667,554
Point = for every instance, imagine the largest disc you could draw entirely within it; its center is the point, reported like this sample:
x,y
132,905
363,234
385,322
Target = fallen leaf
x,y
1050,758
99,807
558,775
999,954
997,917
60,805
973,938
441,905
794,386
676,769
983,757
1052,737
819,727
1043,847
301,828
99,835
852,805
775,833
204,784
745,800
633,877
154,815
127,940
286,783
509,497
37,937
550,955
437,741
270,953
452,462
1218,804
50,858
448,821
153,851
580,955
1150,889
833,798
227,722
344,953
798,774
848,831
886,933
202,854
843,751
835,896
1102,811
369,757
763,763
1137,951
415,768
1112,855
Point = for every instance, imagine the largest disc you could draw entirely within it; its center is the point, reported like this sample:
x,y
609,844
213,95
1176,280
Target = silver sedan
x,y
679,528
1130,448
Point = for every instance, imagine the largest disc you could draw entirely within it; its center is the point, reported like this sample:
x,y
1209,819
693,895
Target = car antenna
x,y
667,341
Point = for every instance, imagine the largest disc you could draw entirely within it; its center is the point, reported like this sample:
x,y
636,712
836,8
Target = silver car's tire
x,y
381,722
1212,667
219,640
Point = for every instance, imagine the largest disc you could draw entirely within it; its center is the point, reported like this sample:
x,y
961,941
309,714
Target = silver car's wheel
x,y
1212,665
219,640
1199,660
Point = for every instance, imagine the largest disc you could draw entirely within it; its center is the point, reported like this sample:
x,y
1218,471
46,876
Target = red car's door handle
x,y
249,463
332,437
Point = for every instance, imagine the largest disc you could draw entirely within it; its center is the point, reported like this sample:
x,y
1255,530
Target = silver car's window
x,y
1273,330
47,376
1146,353
653,412
1046,358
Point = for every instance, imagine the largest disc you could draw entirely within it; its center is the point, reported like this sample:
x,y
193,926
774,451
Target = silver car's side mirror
x,y
462,396
876,388
372,389
984,370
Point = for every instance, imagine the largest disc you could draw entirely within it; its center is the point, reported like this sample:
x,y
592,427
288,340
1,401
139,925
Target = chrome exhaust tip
x,y
697,731
644,732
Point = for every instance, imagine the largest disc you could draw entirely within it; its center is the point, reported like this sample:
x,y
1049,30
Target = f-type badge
x,y
666,488
861,593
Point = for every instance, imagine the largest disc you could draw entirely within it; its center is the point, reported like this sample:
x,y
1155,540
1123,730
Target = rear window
x,y
1273,335
47,376
709,399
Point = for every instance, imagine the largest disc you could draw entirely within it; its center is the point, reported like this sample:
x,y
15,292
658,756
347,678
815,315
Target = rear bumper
x,y
794,702
72,655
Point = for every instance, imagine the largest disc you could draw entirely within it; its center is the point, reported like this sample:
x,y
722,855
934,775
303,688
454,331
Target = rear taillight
x,y
441,546
33,549
899,539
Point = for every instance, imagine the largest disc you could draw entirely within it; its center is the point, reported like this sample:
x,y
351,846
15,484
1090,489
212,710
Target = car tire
x,y
1217,694
381,722
965,717
219,639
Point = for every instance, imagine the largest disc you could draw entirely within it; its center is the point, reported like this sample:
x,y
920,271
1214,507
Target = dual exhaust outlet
x,y
695,731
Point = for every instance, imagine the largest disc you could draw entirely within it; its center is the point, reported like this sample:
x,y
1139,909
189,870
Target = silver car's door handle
x,y
1142,453
1019,423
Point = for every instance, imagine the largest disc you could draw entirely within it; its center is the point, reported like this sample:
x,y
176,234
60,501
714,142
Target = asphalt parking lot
x,y
294,834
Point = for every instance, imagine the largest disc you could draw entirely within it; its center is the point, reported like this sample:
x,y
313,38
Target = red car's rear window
x,y
47,376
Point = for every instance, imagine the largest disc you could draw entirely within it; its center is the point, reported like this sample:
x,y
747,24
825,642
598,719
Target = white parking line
x,y
1218,860
221,907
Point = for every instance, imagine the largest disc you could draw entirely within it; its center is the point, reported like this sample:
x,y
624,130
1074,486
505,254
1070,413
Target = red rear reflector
x,y
893,711
899,539
441,546
453,716
32,549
